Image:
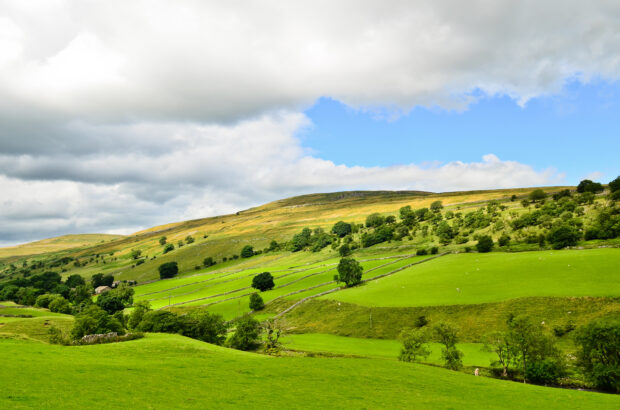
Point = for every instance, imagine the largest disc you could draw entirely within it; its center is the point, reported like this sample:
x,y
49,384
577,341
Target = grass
x,y
35,328
474,355
170,371
483,278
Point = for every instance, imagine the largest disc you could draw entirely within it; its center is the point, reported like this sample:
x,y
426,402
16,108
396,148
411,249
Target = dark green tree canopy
x,y
247,251
589,186
341,229
374,220
485,244
349,271
256,302
168,270
74,281
263,281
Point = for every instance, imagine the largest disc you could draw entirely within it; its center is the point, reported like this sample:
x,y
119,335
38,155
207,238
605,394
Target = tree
x,y
436,206
537,195
43,301
615,185
263,281
414,345
448,336
407,216
485,244
273,330
168,248
189,239
208,261
374,220
81,294
168,270
139,309
110,302
498,343
344,250
503,240
60,305
445,232
159,321
588,186
599,354
74,281
162,240
256,302
205,326
563,236
99,279
135,253
247,333
247,251
341,229
349,272
94,320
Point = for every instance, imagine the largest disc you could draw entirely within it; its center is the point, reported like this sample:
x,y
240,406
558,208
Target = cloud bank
x,y
119,115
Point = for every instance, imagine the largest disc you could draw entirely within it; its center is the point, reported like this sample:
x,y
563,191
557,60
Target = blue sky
x,y
576,132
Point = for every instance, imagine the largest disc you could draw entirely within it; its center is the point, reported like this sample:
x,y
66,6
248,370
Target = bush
x,y
208,261
205,326
169,247
60,305
374,220
110,302
94,320
247,333
341,229
160,321
138,313
485,244
421,252
615,184
544,371
99,279
75,281
503,240
247,251
414,345
436,206
563,236
420,321
256,302
168,270
349,272
344,250
560,331
434,250
43,301
263,281
537,195
139,262
588,186
599,354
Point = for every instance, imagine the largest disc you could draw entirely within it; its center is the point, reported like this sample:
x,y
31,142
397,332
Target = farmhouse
x,y
102,289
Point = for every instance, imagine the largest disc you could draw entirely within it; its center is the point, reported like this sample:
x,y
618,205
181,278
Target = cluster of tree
x,y
25,291
308,239
415,343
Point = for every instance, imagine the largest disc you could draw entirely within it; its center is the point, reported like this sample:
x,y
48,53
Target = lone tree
x,y
169,247
436,206
485,244
246,335
341,229
168,270
263,281
563,236
537,195
414,345
256,302
247,251
162,240
447,335
349,272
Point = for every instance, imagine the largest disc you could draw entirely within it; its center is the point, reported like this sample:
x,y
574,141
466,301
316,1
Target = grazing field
x,y
474,355
57,244
166,371
482,278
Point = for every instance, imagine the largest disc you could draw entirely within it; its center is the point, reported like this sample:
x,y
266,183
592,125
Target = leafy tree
x,y
599,354
208,261
99,279
60,305
74,281
43,301
448,336
110,302
588,186
344,250
159,321
414,345
341,229
256,302
381,234
374,220
168,248
300,240
139,310
349,272
423,214
168,270
513,198
445,232
273,330
499,343
263,281
81,294
247,334
537,195
94,320
407,216
485,244
247,251
135,253
27,296
615,184
273,246
189,239
503,240
205,326
390,219
162,240
436,206
563,236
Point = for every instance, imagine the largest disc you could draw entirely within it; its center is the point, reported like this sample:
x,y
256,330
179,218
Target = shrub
x,y
537,195
341,229
138,313
560,331
420,321
60,305
247,333
344,250
94,320
599,354
74,281
139,262
256,302
43,301
161,321
162,240
374,220
563,236
434,250
168,248
205,326
544,371
485,244
189,239
414,345
208,261
168,270
247,251
135,253
436,206
421,252
263,281
110,302
349,272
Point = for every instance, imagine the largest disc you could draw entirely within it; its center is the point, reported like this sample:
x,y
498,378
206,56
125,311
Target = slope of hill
x,y
56,244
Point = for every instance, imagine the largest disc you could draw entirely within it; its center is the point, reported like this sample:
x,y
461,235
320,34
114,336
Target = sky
x,y
117,116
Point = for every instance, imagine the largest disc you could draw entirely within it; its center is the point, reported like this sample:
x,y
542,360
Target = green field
x,y
482,278
169,371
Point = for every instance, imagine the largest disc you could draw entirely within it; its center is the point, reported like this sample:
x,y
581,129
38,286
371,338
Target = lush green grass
x,y
482,278
474,355
169,371
35,328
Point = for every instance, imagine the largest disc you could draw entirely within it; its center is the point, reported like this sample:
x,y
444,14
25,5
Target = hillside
x,y
57,244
